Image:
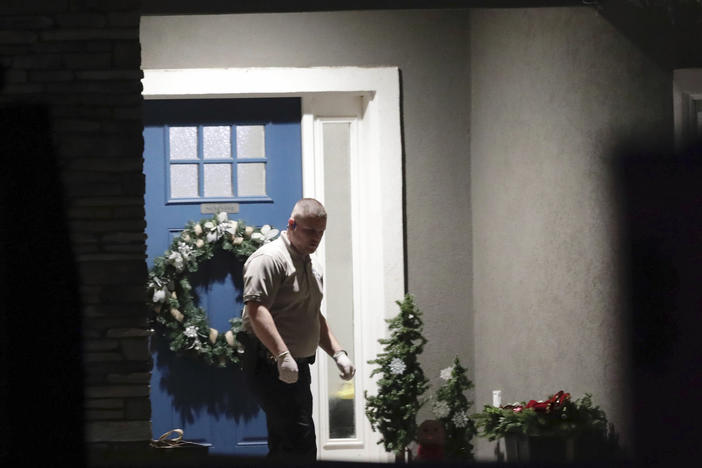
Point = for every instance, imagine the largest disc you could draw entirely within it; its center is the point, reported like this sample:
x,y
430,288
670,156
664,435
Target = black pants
x,y
288,407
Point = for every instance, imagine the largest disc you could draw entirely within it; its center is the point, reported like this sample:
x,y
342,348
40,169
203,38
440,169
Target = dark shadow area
x,y
193,384
217,270
405,253
41,384
272,6
668,32
661,216
201,461
203,111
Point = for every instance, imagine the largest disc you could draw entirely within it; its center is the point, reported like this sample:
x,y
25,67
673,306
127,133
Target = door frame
x,y
378,207
687,91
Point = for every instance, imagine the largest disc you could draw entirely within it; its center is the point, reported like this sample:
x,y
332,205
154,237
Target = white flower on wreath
x,y
156,283
445,374
199,243
197,229
248,231
440,409
212,236
460,419
191,332
209,225
160,295
177,260
230,227
268,233
222,217
397,367
185,250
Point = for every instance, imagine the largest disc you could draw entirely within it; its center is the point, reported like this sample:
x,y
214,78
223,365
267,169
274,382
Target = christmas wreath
x,y
182,322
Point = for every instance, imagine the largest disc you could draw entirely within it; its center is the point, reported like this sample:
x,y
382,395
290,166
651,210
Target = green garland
x,y
568,419
183,323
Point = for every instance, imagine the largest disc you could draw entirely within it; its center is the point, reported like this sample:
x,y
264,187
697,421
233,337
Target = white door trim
x,y
379,178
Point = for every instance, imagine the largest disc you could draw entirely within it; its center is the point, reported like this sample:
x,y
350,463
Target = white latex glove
x,y
345,365
287,368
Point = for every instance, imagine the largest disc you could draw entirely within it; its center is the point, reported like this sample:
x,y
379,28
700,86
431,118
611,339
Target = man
x,y
283,326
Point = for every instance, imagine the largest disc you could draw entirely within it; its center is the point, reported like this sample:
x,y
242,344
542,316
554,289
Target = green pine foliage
x,y
570,419
393,411
458,426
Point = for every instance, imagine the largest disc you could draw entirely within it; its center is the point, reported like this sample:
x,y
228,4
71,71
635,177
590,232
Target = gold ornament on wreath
x,y
184,323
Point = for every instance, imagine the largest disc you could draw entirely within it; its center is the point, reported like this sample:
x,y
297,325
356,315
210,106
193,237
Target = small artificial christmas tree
x,y
393,411
451,408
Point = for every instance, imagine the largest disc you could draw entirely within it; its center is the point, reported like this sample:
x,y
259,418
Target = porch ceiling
x,y
183,7
669,31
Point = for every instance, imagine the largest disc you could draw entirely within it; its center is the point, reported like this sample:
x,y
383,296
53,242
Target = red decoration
x,y
555,401
432,438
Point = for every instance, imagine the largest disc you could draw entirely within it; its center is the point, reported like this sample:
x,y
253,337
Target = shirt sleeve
x,y
261,280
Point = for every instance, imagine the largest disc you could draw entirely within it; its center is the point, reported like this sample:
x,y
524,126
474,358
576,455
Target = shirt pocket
x,y
317,282
291,282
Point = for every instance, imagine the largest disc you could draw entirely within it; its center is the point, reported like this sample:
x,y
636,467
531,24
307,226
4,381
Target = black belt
x,y
255,345
306,360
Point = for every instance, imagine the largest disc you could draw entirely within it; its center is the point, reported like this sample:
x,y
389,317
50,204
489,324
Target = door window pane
x,y
184,182
182,142
218,180
251,179
216,143
250,141
339,274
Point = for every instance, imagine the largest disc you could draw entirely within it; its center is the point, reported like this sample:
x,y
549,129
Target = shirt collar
x,y
293,253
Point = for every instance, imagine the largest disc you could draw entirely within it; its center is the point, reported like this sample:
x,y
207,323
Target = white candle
x,y
497,398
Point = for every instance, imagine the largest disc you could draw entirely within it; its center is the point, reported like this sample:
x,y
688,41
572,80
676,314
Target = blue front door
x,y
242,156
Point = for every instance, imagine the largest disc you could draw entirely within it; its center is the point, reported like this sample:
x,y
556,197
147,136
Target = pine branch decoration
x,y
393,411
451,408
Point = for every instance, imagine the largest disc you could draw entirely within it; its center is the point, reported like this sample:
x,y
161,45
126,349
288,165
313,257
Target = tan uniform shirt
x,y
290,286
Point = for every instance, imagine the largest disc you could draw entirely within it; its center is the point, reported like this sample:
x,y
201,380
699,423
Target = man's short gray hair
x,y
308,208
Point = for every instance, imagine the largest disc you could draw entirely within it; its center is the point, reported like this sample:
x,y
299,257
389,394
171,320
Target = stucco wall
x,y
553,93
430,48
511,123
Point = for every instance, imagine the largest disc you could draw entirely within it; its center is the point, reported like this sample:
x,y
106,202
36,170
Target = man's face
x,y
305,234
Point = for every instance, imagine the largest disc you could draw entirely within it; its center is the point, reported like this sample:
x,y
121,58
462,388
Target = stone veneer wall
x,y
75,66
